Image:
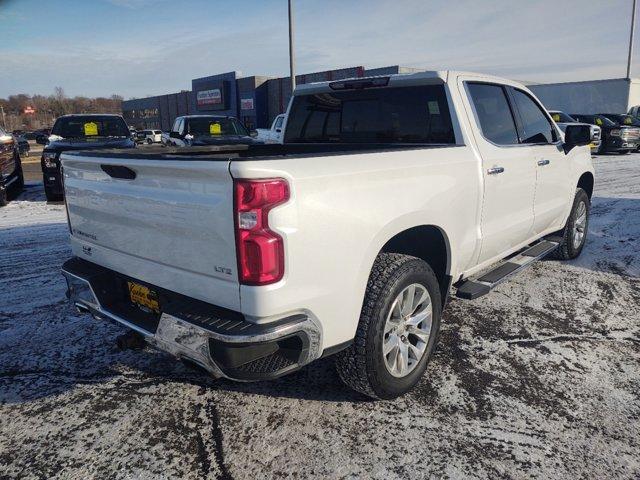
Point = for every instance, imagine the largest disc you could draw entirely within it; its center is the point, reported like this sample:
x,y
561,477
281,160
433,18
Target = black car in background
x,y
79,132
11,178
203,130
625,120
615,137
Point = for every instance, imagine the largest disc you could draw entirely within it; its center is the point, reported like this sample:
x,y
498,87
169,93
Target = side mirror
x,y
173,134
576,136
42,140
253,133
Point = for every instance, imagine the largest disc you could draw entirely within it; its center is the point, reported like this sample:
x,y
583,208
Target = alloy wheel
x,y
407,330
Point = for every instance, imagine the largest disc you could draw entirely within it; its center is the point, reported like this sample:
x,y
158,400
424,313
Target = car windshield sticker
x,y
90,129
598,121
556,117
214,128
627,121
434,109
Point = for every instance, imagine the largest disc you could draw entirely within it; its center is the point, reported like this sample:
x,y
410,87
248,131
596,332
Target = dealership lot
x,y
539,378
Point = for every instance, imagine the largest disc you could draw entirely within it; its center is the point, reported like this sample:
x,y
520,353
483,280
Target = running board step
x,y
472,289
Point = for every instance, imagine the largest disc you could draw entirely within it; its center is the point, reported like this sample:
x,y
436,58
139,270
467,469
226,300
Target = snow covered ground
x,y
539,379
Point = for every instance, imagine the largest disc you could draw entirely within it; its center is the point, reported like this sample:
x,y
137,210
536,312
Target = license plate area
x,y
143,297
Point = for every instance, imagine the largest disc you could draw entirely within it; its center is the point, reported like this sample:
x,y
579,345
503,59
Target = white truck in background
x,y
562,120
275,134
254,260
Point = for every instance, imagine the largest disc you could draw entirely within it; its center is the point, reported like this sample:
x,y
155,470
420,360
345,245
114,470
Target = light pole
x,y
292,56
633,25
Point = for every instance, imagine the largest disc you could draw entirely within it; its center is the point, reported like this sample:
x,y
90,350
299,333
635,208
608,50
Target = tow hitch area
x,y
219,340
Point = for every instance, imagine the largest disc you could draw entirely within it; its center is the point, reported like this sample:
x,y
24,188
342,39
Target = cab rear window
x,y
90,126
417,114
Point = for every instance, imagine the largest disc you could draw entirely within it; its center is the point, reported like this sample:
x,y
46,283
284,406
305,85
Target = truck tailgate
x,y
171,226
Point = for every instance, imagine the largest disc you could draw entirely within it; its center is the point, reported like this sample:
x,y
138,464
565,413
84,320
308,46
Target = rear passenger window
x,y
536,127
494,114
414,114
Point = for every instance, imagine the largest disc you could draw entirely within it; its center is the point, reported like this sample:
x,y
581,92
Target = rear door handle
x,y
495,170
542,163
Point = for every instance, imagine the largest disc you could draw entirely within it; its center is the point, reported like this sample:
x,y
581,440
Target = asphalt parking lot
x,y
539,379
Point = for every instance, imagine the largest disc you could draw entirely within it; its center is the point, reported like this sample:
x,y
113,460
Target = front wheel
x,y
624,152
397,330
574,234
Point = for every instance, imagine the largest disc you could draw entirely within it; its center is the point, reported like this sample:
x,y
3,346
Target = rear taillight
x,y
260,250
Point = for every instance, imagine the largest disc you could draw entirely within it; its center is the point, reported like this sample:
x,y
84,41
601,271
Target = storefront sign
x,y
246,104
209,97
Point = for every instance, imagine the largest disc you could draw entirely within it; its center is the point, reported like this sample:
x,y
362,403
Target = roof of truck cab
x,y
431,77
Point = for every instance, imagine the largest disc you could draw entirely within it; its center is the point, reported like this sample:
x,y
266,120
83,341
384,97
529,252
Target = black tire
x,y
568,249
624,152
149,141
362,366
4,198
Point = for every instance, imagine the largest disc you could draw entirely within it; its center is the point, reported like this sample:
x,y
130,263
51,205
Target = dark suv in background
x,y
11,178
626,120
79,132
615,137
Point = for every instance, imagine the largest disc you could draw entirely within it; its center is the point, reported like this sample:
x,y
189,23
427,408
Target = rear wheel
x,y
574,234
397,331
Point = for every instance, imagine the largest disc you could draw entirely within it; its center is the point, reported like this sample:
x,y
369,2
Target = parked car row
x,y
611,132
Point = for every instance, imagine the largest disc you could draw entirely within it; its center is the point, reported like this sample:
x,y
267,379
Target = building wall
x,y
392,70
255,100
142,112
279,89
252,102
597,96
634,93
226,84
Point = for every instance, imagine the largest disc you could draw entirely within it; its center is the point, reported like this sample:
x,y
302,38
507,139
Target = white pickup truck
x,y
275,134
388,192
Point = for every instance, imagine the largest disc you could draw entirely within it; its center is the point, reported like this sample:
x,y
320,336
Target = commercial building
x,y
595,96
255,100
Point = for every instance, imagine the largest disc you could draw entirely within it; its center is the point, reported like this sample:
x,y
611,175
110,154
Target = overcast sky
x,y
148,47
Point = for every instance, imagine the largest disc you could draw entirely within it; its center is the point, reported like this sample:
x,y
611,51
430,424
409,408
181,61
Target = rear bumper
x,y
219,340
